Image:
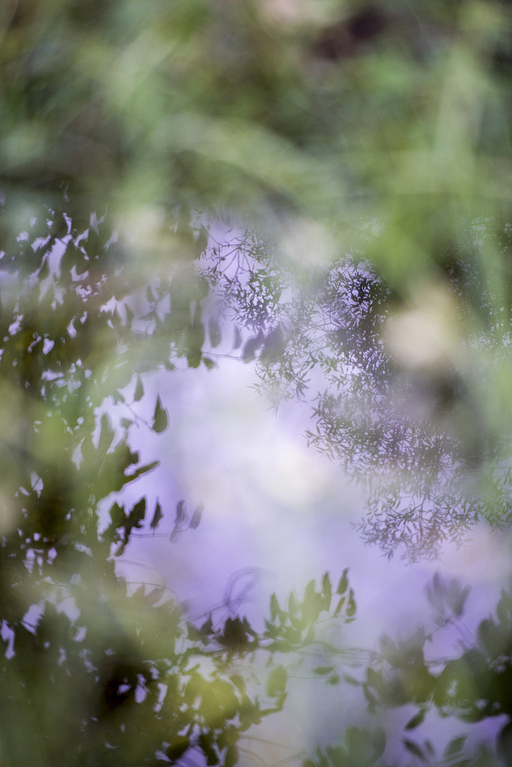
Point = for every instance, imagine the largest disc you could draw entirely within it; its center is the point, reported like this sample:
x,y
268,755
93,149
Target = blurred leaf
x,y
276,682
454,747
106,434
343,582
274,607
215,333
137,514
416,720
139,390
339,607
251,346
327,590
351,609
157,516
181,510
196,517
322,670
160,419
414,749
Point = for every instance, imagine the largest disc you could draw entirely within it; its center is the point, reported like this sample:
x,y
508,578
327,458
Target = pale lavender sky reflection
x,y
275,505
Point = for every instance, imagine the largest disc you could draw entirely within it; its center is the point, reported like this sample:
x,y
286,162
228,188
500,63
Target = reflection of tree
x,y
415,437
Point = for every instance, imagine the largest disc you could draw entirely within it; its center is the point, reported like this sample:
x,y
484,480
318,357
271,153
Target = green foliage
x,y
361,748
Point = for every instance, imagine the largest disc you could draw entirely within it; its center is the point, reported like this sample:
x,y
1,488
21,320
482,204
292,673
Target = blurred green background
x,y
359,156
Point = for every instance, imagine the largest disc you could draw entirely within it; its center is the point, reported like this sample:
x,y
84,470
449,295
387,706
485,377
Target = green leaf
x,y
207,745
276,683
310,591
177,748
351,609
193,634
231,756
142,470
239,682
106,435
416,720
323,670
274,607
195,339
138,513
160,419
139,390
117,515
414,749
215,333
343,582
326,591
293,605
455,746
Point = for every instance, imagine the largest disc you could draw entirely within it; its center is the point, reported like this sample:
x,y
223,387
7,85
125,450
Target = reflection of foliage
x,y
129,682
364,748
386,129
473,686
92,671
416,438
361,749
118,678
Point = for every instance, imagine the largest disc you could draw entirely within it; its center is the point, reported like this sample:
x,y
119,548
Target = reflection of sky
x,y
276,506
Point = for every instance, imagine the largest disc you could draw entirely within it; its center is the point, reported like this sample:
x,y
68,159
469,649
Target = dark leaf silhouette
x,y
416,720
106,435
139,390
273,346
181,510
343,583
215,333
157,516
137,514
196,516
414,749
252,345
160,419
174,534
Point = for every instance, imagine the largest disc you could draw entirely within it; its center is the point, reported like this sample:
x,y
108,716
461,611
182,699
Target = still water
x,y
276,514
298,478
